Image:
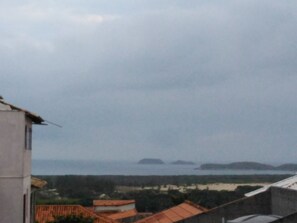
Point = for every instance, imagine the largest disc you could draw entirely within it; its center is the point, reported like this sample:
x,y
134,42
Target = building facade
x,y
15,162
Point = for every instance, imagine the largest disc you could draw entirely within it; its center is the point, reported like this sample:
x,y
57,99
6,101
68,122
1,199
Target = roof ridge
x,y
195,205
35,118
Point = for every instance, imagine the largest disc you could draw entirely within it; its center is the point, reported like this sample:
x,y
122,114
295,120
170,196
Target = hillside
x,y
287,167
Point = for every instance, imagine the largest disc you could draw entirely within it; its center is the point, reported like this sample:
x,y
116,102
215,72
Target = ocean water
x,y
91,167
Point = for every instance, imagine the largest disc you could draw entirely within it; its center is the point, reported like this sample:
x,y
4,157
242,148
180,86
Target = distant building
x,y
105,206
119,210
15,162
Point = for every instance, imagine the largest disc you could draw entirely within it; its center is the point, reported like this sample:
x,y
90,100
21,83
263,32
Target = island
x,y
182,162
287,167
237,166
150,161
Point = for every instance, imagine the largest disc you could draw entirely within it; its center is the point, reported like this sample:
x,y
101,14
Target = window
x,y
24,208
28,138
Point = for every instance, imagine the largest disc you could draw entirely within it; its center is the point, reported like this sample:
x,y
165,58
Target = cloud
x,y
180,80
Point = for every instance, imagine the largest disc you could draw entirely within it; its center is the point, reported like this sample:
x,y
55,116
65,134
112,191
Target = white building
x,y
15,162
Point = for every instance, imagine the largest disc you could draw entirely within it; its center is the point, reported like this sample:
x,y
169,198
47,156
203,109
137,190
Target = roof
x,y
46,213
255,219
290,183
112,202
5,106
123,214
175,214
37,183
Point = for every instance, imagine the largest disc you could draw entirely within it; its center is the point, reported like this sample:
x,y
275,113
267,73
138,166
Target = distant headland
x,y
247,166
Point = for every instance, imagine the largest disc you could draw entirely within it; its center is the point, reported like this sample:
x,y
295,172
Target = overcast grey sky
x,y
192,80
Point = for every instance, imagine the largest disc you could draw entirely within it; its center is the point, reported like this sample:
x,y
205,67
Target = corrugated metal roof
x,y
290,183
112,202
36,119
255,219
175,214
46,213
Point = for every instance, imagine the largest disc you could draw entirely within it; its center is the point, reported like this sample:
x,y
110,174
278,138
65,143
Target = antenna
x,y
52,123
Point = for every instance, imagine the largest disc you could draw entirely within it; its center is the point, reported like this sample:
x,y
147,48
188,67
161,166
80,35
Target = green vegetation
x,y
154,201
237,166
247,166
84,189
142,181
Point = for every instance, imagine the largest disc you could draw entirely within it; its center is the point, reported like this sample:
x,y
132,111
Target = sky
x,y
207,81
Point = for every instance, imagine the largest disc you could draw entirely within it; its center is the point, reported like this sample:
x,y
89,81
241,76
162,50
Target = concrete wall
x,y
283,201
258,204
288,219
15,167
12,127
115,208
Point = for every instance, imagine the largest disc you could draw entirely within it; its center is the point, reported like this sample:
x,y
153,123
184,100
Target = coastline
x,y
127,168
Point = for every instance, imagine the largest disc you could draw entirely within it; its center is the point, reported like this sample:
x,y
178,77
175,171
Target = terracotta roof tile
x,y
184,213
124,214
112,202
45,213
175,214
172,215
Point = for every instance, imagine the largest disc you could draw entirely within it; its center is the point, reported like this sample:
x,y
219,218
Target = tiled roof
x,y
7,106
37,183
112,202
175,214
45,213
123,214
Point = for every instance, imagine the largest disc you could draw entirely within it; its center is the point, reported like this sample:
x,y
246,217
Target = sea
x,y
92,167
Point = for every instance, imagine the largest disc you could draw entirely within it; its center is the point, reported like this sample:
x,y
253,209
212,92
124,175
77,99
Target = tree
x,y
72,219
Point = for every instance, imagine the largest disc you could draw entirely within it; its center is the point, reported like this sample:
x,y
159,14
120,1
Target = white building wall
x,y
15,168
115,208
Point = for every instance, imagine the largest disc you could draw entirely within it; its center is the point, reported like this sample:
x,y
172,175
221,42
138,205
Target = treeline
x,y
83,190
154,201
79,186
102,181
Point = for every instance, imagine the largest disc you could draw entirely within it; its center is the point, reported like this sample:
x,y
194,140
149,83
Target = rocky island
x,y
150,161
182,162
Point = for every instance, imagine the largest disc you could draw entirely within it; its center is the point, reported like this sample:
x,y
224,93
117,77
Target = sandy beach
x,y
184,188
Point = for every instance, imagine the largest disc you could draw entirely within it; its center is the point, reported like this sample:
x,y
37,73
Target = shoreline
x,y
184,188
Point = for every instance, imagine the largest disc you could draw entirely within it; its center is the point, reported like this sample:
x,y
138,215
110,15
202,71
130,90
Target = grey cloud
x,y
170,79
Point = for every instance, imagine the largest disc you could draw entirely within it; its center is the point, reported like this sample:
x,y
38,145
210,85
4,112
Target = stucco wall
x,y
258,204
115,208
288,219
284,201
12,125
15,167
11,197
